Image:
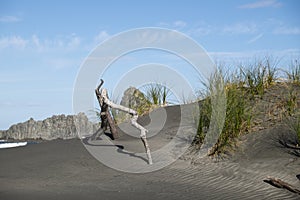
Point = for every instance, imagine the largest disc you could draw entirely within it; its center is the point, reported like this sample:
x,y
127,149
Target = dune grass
x,y
237,117
295,126
293,118
294,72
156,93
258,76
241,87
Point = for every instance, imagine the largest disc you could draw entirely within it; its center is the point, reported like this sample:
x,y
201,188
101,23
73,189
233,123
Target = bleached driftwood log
x,y
104,100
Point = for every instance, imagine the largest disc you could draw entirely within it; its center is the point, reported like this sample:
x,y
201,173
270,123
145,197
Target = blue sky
x,y
43,43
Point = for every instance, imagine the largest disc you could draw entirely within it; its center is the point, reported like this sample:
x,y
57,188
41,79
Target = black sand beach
x,y
63,169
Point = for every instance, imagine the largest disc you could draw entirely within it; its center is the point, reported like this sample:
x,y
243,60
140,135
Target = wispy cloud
x,y
261,4
9,19
179,24
201,31
13,41
73,41
240,28
287,31
202,28
103,35
252,40
69,42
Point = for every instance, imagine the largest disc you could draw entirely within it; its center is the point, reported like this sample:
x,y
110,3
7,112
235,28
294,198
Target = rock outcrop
x,y
55,127
135,99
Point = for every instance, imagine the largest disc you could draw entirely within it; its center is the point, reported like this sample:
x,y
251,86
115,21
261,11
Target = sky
x,y
44,43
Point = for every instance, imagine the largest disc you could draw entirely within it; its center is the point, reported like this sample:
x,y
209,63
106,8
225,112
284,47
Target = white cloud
x,y
74,42
9,19
252,40
179,24
13,41
240,28
35,43
198,31
103,35
287,31
261,4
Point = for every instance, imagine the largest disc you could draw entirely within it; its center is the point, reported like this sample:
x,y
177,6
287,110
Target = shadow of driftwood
x,y
97,136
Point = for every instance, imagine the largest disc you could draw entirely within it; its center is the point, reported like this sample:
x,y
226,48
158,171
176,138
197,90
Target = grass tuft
x,y
294,72
240,87
259,76
157,93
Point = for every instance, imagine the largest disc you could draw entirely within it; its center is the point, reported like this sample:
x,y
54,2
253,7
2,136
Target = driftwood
x,y
292,146
106,118
281,184
105,103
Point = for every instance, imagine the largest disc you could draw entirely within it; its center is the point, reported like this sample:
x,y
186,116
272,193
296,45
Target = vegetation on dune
x,y
294,72
248,91
258,76
293,112
156,93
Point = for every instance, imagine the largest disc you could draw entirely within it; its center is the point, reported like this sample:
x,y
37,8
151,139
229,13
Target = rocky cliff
x,y
135,99
55,127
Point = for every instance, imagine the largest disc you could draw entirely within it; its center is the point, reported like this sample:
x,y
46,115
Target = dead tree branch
x,y
281,184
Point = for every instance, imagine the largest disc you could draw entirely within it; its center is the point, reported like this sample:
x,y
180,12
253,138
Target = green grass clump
x,y
236,117
294,72
243,90
156,93
291,102
296,129
259,76
204,120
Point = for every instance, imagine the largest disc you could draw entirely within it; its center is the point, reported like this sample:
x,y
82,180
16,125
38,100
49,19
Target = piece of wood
x,y
106,118
105,103
292,146
112,126
135,124
281,184
146,145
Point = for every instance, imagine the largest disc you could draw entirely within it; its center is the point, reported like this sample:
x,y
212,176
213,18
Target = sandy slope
x,y
63,169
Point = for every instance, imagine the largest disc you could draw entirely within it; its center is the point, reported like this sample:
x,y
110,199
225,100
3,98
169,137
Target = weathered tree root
x,y
281,184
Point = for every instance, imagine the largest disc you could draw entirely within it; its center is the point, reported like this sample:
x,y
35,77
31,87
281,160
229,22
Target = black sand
x,y
63,169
